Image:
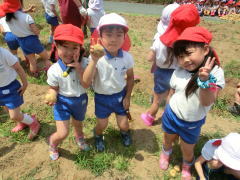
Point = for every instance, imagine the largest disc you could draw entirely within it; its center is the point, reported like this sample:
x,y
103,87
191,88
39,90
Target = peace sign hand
x,y
206,69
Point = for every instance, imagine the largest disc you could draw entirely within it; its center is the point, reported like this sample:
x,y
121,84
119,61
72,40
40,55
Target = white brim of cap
x,y
228,159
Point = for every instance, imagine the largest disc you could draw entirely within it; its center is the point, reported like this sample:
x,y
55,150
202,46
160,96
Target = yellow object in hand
x,y
98,50
50,97
65,74
173,173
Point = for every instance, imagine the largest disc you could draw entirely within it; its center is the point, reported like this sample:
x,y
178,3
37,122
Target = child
x,y
112,90
51,16
235,109
9,37
223,9
195,87
95,12
69,94
215,7
23,26
220,155
207,7
184,16
11,92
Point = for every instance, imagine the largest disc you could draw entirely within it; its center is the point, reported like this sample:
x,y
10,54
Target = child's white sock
x,y
166,152
27,119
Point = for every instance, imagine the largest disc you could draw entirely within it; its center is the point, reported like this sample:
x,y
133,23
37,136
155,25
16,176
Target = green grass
x,y
141,98
231,69
41,80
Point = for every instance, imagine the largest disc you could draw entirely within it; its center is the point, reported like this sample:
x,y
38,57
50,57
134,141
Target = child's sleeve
x,y
52,79
130,61
29,19
85,62
208,150
8,57
218,73
173,80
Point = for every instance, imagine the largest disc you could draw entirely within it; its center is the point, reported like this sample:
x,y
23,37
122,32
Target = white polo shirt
x,y
20,26
4,25
68,86
161,55
95,16
7,73
190,109
111,71
47,6
208,150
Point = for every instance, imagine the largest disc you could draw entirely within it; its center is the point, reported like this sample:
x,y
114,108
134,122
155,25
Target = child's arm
x,y
34,29
233,172
151,56
207,96
82,10
18,68
198,166
53,9
129,88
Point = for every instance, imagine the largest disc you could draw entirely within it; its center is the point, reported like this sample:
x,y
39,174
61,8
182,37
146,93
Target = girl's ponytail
x,y
10,16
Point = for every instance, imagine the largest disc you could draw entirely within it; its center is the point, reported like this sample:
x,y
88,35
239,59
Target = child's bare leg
x,y
61,133
101,126
157,100
168,140
33,63
215,164
79,136
187,151
15,114
45,57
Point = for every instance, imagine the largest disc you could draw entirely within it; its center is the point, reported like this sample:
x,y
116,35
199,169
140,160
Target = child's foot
x,y
53,152
126,138
186,172
20,126
82,143
34,128
99,142
147,119
235,109
164,161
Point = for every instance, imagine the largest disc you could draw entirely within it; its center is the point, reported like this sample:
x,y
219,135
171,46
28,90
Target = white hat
x,y
229,151
112,19
165,18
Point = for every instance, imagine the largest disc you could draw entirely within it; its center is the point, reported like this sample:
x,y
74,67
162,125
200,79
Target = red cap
x,y
69,32
9,6
196,34
237,4
229,2
184,16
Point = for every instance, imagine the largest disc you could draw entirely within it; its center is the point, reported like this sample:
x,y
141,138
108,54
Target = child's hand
x,y
206,69
126,102
50,98
22,89
96,51
76,64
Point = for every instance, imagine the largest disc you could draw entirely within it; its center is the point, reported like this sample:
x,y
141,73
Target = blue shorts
x,y
11,40
70,106
30,45
51,20
188,131
162,79
9,95
107,104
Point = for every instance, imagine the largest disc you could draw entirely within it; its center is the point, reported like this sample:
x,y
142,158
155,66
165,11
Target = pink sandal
x,y
164,161
34,128
147,119
20,126
186,172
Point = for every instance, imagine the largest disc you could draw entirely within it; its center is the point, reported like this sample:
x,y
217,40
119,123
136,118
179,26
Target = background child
x,y
182,17
195,87
69,94
51,16
220,155
113,78
11,92
95,12
235,109
9,37
23,26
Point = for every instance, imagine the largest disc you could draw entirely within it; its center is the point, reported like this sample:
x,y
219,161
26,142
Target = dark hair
x,y
170,57
53,55
111,27
180,48
10,16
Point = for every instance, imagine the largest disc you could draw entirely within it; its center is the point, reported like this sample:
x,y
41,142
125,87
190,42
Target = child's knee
x,y
63,134
16,116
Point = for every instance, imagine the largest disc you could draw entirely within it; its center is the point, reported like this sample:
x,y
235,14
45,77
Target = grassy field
x,y
25,160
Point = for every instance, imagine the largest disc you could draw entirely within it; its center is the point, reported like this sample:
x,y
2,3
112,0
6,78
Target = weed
x,y
141,98
231,69
41,80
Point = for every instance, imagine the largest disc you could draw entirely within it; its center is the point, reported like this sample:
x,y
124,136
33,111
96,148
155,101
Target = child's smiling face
x,y
193,58
66,51
112,38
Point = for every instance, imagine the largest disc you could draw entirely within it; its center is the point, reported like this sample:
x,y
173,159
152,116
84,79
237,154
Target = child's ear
x,y
206,49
